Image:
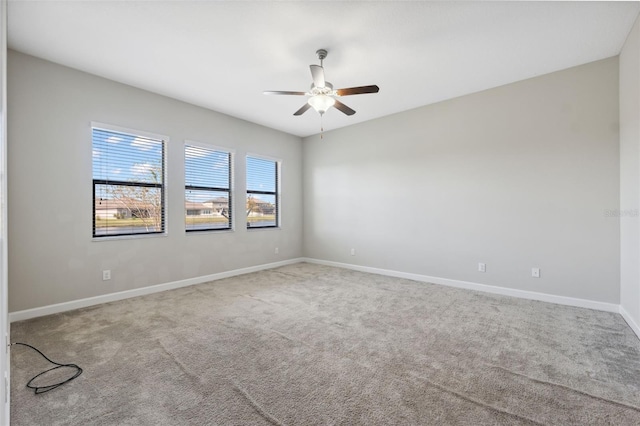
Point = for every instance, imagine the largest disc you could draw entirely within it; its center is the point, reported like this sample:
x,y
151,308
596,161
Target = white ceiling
x,y
222,55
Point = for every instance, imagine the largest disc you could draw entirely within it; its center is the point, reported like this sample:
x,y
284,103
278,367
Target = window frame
x,y
230,191
277,194
162,186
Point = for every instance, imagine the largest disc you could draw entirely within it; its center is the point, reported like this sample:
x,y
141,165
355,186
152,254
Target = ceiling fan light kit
x,y
321,103
322,96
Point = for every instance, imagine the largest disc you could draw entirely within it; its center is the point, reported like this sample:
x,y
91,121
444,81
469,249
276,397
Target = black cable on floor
x,y
42,389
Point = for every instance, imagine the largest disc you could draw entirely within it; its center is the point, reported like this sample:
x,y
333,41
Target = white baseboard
x,y
634,326
523,294
112,297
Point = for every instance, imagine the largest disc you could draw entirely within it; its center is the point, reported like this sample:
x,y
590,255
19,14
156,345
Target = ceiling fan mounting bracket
x,y
322,53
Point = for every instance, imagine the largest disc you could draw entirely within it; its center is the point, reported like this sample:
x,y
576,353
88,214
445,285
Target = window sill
x,y
209,231
264,228
130,237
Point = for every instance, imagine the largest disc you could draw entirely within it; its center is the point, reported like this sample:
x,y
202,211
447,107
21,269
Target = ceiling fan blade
x,y
280,92
342,107
302,110
317,72
358,90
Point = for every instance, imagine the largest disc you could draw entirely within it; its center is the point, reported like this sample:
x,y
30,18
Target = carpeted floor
x,y
313,345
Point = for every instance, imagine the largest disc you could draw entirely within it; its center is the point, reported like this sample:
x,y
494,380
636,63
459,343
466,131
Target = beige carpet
x,y
314,345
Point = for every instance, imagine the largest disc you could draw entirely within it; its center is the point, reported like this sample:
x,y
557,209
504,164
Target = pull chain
x,y
321,127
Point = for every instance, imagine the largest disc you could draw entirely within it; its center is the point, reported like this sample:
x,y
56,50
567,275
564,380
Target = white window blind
x,y
208,200
262,193
128,184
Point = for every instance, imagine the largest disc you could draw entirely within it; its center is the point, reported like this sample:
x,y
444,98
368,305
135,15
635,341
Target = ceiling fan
x,y
322,95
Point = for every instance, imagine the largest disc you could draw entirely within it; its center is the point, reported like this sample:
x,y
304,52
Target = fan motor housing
x,y
326,90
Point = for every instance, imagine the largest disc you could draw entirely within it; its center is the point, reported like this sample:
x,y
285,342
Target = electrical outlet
x,y
277,250
482,267
353,252
106,274
535,272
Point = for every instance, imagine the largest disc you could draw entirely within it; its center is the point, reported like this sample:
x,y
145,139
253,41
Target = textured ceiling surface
x,y
223,55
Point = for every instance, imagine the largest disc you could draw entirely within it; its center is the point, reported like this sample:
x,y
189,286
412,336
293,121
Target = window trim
x,y
232,159
278,193
163,187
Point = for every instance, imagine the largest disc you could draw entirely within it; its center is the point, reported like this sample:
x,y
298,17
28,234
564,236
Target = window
x,y
128,183
207,197
262,193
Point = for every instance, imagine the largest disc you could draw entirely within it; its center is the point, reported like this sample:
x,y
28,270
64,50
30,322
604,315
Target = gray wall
x,y
630,174
517,177
51,253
